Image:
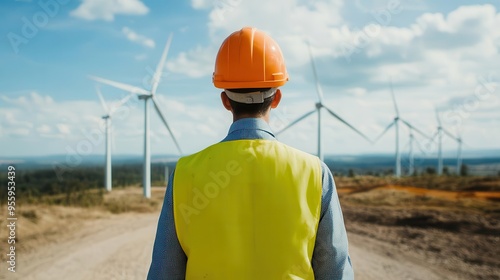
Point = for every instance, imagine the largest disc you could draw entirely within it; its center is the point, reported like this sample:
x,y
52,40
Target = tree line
x,y
33,184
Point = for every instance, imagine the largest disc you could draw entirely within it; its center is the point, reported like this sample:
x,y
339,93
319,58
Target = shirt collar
x,y
251,124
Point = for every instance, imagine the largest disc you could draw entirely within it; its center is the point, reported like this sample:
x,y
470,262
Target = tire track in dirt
x,y
373,261
118,248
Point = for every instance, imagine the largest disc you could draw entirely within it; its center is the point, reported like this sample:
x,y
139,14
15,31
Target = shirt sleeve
x,y
331,256
169,260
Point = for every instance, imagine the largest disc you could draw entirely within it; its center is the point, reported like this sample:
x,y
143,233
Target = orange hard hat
x,y
249,58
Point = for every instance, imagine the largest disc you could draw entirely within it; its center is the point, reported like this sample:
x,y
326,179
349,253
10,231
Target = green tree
x,y
351,173
464,170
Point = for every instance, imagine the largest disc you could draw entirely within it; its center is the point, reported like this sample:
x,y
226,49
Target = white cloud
x,y
32,100
35,114
433,43
369,6
432,60
137,38
44,129
298,20
107,9
141,57
357,91
63,128
202,4
10,120
20,132
194,63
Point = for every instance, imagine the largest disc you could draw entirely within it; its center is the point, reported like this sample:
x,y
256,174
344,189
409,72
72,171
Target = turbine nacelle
x,y
144,96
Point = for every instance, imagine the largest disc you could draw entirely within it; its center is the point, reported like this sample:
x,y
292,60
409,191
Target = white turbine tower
x,y
107,122
395,123
459,153
146,95
319,106
440,132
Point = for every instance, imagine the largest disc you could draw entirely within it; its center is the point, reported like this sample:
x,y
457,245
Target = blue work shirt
x,y
330,257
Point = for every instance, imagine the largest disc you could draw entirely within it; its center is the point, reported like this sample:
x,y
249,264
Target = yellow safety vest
x,y
248,209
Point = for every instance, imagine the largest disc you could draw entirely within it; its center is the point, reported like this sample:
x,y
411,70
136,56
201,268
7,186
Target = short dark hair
x,y
255,109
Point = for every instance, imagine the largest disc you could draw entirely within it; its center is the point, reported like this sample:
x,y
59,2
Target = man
x,y
250,207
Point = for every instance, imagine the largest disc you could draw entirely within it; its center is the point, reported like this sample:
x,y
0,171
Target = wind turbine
x,y
147,95
395,123
440,131
411,158
319,106
459,153
107,121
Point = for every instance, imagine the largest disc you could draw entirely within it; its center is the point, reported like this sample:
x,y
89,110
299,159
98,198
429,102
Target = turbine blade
x,y
162,117
319,91
435,135
119,85
161,65
296,121
103,103
346,123
461,140
394,100
466,144
120,103
414,128
383,132
450,135
125,99
420,147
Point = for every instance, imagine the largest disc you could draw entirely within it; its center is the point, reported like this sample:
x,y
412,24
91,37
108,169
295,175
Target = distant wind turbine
x,y
395,123
146,95
319,106
459,153
411,157
440,131
107,120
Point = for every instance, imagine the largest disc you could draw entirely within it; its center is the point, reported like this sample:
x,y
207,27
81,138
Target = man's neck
x,y
262,117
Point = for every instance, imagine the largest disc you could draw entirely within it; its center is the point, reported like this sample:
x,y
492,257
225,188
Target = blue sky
x,y
439,54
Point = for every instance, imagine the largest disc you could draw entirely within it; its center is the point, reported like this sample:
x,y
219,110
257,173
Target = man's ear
x,y
277,99
225,101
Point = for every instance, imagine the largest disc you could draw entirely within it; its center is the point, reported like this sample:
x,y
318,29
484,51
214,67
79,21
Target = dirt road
x,y
375,260
120,248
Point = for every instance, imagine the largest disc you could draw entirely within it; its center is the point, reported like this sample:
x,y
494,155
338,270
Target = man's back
x,y
258,204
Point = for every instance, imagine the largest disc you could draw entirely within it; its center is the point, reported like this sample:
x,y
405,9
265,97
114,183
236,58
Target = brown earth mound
x,y
454,233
